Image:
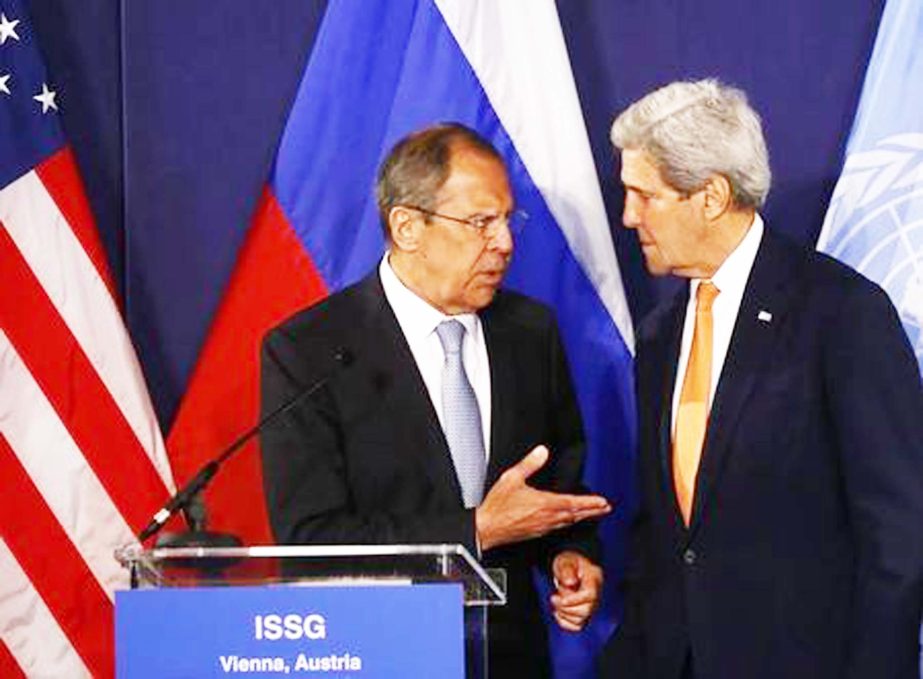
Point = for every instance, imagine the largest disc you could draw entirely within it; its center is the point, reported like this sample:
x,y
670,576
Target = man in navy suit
x,y
780,527
379,455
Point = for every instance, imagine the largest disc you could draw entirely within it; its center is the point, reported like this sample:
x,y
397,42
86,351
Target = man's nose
x,y
630,216
500,239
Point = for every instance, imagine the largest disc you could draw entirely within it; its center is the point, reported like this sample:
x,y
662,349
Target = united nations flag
x,y
875,218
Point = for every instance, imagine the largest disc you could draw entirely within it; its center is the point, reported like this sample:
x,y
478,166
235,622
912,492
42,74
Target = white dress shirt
x,y
418,320
731,280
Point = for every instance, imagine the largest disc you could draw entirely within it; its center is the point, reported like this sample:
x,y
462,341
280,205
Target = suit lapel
x,y
762,312
663,367
392,370
668,364
501,355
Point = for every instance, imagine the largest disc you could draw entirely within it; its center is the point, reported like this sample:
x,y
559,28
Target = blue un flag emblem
x,y
875,224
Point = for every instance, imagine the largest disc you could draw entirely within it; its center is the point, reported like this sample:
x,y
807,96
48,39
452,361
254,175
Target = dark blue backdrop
x,y
174,108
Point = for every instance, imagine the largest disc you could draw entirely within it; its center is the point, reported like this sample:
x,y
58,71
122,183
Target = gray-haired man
x,y
781,462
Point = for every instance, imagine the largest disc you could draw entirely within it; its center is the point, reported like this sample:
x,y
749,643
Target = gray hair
x,y
693,130
419,164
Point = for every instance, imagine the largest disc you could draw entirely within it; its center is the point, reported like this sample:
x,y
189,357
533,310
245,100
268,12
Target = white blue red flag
x,y
82,463
379,70
875,219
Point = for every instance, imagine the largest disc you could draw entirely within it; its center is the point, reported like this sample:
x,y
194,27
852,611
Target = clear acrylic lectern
x,y
325,565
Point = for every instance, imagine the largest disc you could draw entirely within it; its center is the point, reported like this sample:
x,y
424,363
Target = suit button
x,y
689,556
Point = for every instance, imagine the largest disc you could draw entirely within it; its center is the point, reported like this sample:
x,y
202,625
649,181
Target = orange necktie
x,y
692,415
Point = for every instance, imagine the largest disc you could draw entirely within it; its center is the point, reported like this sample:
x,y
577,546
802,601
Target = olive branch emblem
x,y
895,163
884,183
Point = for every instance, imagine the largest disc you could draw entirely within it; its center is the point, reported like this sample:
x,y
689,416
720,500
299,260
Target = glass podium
x,y
331,566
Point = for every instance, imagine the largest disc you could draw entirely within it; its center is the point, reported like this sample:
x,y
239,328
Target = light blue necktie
x,y
461,417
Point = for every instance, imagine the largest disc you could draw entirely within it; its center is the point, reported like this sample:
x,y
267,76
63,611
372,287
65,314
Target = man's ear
x,y
719,197
404,226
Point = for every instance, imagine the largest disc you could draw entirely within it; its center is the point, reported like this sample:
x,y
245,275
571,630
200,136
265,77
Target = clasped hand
x,y
513,511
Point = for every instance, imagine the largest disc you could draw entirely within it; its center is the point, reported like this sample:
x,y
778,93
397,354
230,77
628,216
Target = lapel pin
x,y
764,316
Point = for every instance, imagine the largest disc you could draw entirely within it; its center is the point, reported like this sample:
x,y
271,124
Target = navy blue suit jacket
x,y
804,553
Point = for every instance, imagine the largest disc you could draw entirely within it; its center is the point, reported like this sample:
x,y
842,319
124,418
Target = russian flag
x,y
378,71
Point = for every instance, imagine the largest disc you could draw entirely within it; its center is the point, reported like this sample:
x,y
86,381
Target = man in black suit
x,y
781,426
394,448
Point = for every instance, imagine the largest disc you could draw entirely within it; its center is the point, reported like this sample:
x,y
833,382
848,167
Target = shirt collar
x,y
731,277
417,317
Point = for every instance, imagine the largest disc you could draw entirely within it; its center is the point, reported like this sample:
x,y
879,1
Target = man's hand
x,y
513,511
578,582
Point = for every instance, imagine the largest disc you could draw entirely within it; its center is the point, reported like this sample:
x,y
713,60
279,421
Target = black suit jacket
x,y
803,555
365,460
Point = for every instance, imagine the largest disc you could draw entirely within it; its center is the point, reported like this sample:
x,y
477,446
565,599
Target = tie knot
x,y
451,334
705,295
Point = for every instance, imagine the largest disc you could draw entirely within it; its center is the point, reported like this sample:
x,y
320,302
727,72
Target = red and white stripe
x,y
82,462
28,629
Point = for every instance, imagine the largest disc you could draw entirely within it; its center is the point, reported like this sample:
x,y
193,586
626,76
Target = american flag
x,y
82,462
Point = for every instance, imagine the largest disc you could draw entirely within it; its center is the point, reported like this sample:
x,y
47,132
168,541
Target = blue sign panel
x,y
361,632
